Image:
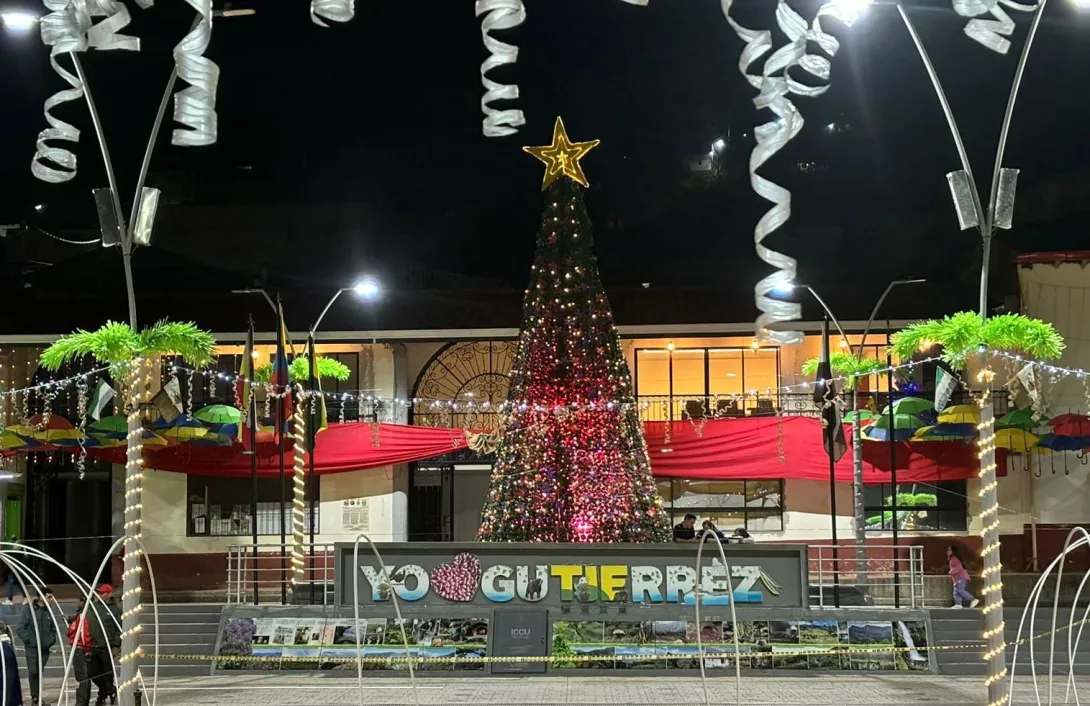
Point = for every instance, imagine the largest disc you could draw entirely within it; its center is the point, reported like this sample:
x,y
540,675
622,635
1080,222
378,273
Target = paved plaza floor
x,y
847,690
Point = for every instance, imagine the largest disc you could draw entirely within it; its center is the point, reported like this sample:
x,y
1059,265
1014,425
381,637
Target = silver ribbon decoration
x,y
331,10
991,33
499,15
195,106
67,28
775,84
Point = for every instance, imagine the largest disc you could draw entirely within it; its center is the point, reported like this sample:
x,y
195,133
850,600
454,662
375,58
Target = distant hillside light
x,y
367,288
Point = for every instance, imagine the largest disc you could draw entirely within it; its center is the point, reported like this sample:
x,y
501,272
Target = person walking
x,y
79,637
960,577
38,633
11,689
104,618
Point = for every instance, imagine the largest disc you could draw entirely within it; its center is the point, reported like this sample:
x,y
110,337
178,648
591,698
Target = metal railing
x,y
262,573
882,576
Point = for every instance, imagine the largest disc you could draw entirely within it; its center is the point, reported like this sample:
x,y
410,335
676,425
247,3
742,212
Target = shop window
x,y
689,383
755,505
221,507
919,507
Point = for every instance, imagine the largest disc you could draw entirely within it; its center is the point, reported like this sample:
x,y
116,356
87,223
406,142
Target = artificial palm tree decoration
x,y
966,333
116,344
127,352
299,370
846,365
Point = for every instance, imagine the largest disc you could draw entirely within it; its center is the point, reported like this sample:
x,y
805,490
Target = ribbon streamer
x,y
68,28
774,84
195,105
331,10
991,33
499,15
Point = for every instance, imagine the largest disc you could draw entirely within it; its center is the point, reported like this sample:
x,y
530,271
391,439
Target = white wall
x,y
1060,294
387,510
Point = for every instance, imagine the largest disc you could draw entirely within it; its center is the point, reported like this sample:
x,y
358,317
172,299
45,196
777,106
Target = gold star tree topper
x,y
562,156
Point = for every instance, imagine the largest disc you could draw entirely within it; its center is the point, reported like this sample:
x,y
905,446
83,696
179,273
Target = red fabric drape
x,y
748,448
723,449
341,447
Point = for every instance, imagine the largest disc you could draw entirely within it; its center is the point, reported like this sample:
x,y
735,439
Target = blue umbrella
x,y
958,429
876,433
1056,442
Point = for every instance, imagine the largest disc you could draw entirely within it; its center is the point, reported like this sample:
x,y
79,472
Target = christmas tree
x,y
573,464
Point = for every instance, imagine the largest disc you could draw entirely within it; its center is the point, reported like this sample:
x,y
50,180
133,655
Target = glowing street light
x,y
367,288
18,21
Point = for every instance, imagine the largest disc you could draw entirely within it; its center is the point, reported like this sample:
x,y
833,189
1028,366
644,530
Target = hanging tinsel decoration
x,y
48,395
780,454
667,431
81,397
24,409
344,403
268,400
211,374
189,392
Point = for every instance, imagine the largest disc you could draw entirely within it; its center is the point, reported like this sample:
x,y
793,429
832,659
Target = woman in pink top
x,y
960,578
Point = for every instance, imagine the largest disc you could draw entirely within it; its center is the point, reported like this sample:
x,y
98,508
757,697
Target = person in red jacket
x,y
79,637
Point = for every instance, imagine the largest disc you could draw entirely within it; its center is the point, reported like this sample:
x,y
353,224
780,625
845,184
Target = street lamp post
x,y
367,288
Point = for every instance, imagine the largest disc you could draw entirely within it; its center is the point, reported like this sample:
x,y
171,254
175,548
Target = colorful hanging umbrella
x,y
116,425
23,431
1070,425
909,405
1017,440
876,433
1020,419
11,442
218,414
150,438
948,431
960,414
900,421
926,434
55,430
105,441
1057,442
184,428
865,416
213,439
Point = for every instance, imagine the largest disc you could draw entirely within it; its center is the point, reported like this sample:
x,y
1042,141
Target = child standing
x,y
960,577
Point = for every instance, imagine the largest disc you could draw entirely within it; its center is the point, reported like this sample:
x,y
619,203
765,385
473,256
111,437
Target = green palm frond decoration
x,y
299,370
115,343
964,334
846,365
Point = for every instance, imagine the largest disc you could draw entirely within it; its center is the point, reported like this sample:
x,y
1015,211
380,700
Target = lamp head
x,y
784,288
18,21
367,288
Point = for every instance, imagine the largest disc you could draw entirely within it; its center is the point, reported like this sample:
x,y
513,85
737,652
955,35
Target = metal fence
x,y
262,573
877,575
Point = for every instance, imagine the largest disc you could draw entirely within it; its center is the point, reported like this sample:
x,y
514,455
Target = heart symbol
x,y
459,580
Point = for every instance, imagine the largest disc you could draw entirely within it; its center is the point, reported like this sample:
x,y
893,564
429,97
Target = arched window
x,y
463,384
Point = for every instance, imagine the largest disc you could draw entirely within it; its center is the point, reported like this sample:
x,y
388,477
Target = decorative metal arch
x,y
463,384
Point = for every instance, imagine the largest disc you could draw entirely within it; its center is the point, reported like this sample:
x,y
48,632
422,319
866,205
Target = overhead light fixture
x,y
18,20
367,288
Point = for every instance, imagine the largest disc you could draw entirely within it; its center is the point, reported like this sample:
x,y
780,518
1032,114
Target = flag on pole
x,y
945,384
832,421
244,391
102,395
280,380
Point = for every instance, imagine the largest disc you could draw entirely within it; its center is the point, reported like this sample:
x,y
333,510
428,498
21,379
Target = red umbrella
x,y
1070,425
55,422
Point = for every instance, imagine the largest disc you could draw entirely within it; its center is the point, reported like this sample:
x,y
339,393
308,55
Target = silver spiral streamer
x,y
81,400
499,15
775,84
195,105
332,11
991,33
66,29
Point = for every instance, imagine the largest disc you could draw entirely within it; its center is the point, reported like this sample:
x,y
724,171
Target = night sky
x,y
383,113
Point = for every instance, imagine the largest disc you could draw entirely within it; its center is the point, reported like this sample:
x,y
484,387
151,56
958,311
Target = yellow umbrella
x,y
152,439
21,430
11,441
924,434
961,414
1017,440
